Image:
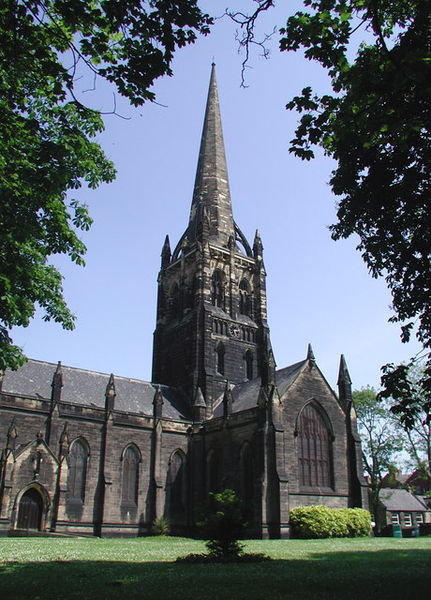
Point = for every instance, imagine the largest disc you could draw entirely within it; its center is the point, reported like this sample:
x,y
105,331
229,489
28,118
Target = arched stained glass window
x,y
77,463
314,449
130,478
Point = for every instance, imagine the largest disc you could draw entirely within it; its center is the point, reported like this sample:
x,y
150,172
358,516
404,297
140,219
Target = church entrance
x,y
30,510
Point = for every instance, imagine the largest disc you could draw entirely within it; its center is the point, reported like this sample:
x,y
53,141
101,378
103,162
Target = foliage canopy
x,y
377,126
382,441
47,145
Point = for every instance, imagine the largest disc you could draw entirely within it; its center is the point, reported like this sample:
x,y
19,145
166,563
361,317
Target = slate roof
x,y
400,500
245,394
88,388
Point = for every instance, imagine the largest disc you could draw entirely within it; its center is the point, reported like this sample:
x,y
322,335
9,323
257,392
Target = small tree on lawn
x,y
222,525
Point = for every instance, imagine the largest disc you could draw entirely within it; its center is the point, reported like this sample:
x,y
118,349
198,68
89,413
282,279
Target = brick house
x,y
400,507
93,453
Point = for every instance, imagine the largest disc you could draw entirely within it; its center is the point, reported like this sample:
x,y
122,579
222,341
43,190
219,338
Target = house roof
x,y
400,500
88,388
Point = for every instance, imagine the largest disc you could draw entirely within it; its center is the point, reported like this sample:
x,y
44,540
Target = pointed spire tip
x,y
310,353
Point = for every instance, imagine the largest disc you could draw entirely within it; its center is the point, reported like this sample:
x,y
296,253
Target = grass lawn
x,y
95,569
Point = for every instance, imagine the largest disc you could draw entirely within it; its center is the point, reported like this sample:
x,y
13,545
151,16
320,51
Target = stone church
x,y
90,453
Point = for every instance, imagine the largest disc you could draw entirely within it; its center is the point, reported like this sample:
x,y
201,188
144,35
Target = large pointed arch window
x,y
314,443
130,476
77,475
217,292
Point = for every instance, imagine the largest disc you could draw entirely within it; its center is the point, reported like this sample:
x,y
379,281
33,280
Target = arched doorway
x,y
30,510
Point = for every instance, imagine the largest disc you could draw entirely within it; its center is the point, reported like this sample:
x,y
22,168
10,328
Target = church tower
x,y
211,310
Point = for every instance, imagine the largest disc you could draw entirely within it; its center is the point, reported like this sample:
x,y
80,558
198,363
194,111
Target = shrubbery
x,y
161,526
311,522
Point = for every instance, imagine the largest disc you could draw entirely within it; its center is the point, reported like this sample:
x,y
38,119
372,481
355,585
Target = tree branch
x,y
247,39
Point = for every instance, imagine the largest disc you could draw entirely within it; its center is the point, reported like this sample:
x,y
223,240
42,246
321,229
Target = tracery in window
x,y
130,476
77,463
314,449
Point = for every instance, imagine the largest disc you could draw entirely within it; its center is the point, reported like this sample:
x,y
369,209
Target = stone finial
x,y
166,252
158,403
199,406
57,384
343,373
257,245
12,434
344,384
110,394
199,399
310,353
227,400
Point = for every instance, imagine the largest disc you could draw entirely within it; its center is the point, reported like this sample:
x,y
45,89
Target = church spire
x,y
211,196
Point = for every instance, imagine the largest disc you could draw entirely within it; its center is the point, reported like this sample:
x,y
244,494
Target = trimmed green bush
x,y
312,522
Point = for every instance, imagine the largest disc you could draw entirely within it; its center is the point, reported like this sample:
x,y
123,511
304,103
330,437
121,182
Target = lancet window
x,y
77,463
130,479
220,352
217,289
244,298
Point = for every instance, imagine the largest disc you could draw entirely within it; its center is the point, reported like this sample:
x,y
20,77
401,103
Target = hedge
x,y
311,522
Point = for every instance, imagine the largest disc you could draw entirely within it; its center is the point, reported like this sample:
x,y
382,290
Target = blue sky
x,y
319,291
